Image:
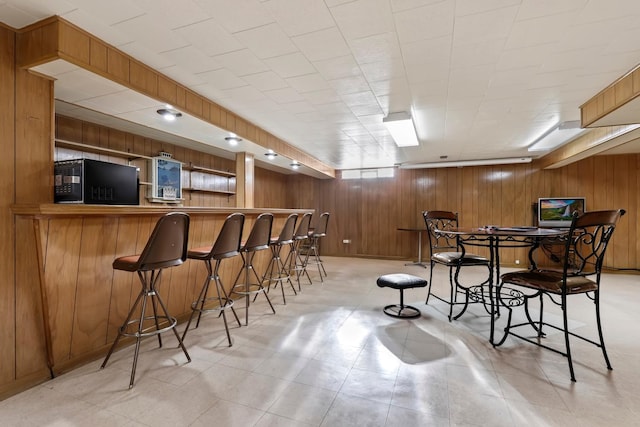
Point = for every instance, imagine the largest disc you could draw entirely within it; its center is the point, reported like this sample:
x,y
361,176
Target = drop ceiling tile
x,y
148,32
363,18
177,73
80,84
267,80
480,53
338,67
469,7
326,96
291,65
283,96
322,44
495,24
383,70
209,37
308,83
222,79
244,94
98,27
298,107
366,110
237,15
376,48
191,60
55,68
299,17
427,71
358,98
427,22
348,85
19,17
241,62
398,85
111,12
527,33
266,41
531,56
172,14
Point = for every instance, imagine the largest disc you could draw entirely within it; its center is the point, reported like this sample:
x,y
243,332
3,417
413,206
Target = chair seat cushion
x,y
401,281
126,263
202,252
453,258
549,281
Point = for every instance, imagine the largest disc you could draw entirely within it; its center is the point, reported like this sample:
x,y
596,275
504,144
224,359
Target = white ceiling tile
x,y
190,59
322,44
348,85
244,94
19,17
480,53
427,22
147,31
392,87
299,17
363,18
376,48
531,9
237,15
111,12
291,65
359,98
266,41
384,70
469,7
308,83
286,95
338,67
209,37
527,33
267,80
479,27
222,79
152,59
99,28
172,14
241,62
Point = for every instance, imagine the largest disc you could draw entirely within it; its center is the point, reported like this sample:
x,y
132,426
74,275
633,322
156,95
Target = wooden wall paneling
x,y
94,281
33,132
123,283
37,43
167,90
622,178
7,197
196,270
29,345
68,129
61,272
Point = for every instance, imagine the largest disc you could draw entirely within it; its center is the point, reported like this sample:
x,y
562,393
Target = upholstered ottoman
x,y
401,281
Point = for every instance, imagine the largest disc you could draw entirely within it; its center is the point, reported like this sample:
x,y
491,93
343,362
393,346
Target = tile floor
x,y
330,357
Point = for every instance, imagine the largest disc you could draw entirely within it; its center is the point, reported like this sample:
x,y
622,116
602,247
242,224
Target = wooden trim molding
x,y
611,98
55,38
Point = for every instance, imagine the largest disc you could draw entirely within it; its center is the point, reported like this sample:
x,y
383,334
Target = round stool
x,y
401,281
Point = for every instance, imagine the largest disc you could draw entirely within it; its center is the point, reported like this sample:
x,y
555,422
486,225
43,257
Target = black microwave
x,y
95,182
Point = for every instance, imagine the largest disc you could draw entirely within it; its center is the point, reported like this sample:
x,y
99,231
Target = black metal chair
x,y
314,245
277,271
227,245
584,248
166,247
258,240
446,249
297,263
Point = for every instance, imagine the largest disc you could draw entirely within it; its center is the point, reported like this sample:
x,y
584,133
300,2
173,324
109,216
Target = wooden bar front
x,y
85,301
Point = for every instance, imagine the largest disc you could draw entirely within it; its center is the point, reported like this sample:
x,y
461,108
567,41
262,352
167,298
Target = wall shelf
x,y
190,167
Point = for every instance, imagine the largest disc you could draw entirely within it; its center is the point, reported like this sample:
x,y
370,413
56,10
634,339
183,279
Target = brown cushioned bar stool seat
x,y
401,281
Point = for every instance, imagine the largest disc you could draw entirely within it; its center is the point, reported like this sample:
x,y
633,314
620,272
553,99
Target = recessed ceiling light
x,y
169,114
233,140
295,165
271,155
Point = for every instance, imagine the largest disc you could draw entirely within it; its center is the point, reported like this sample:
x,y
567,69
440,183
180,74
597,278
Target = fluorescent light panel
x,y
400,126
557,135
483,162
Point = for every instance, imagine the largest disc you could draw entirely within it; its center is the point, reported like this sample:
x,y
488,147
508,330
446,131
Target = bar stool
x,y
166,247
276,270
301,235
258,240
227,245
314,241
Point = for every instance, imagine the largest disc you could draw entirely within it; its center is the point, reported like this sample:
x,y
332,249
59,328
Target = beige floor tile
x,y
331,357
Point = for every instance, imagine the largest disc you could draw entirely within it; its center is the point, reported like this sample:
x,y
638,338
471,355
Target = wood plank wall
x,y
368,212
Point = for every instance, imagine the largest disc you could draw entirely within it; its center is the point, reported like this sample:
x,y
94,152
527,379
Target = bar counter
x,y
67,249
